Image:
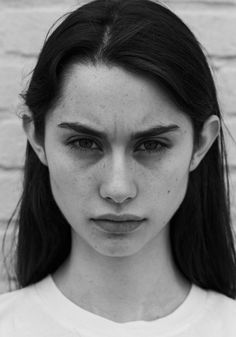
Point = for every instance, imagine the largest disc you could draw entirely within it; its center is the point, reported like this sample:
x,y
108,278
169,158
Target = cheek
x,y
177,185
70,184
169,183
167,195
176,178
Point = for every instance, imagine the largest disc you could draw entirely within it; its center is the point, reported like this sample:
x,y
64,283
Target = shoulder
x,y
23,315
221,302
9,300
220,314
10,303
13,301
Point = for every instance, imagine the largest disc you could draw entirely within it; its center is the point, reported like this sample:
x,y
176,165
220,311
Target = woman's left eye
x,y
154,146
149,146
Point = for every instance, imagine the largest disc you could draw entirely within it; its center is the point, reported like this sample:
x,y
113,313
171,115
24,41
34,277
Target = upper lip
x,y
123,217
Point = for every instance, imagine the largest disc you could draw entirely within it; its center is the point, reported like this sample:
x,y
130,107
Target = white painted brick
x,y
24,31
230,143
34,3
199,2
3,286
9,249
10,191
226,85
233,188
214,29
210,26
233,196
13,82
40,3
12,144
231,151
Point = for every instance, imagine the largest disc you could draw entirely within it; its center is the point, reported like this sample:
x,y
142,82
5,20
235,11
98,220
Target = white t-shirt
x,y
41,310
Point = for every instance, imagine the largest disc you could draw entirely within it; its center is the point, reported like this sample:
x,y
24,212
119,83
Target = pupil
x,y
85,142
152,146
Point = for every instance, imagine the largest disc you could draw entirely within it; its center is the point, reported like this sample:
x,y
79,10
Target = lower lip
x,y
118,227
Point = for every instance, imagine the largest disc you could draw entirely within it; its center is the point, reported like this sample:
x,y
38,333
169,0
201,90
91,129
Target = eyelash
x,y
72,145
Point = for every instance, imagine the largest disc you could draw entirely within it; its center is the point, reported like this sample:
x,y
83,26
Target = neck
x,y
144,286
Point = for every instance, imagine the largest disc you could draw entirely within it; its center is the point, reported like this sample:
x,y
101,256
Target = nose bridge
x,y
118,181
119,168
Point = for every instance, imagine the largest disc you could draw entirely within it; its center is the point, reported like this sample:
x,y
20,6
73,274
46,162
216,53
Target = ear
x,y
37,145
209,133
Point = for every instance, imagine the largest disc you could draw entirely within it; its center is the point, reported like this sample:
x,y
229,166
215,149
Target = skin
x,y
130,277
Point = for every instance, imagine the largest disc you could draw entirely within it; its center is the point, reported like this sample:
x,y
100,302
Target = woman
x,y
124,221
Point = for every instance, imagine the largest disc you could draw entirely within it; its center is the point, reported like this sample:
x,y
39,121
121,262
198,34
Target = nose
x,y
118,184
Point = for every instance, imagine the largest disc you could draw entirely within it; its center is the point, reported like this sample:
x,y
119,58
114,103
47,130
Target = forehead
x,y
113,98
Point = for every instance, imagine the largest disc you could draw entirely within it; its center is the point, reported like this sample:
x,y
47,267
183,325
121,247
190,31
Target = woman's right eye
x,y
82,144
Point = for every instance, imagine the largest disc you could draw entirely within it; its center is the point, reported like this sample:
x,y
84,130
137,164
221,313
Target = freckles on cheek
x,y
61,176
175,178
177,185
70,183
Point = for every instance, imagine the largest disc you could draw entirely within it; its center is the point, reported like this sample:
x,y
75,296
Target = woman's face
x,y
115,173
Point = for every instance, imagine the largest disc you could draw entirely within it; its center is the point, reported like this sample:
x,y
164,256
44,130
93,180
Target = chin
x,y
118,248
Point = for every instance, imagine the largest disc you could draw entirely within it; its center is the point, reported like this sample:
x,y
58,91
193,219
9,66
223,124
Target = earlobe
x,y
209,133
29,129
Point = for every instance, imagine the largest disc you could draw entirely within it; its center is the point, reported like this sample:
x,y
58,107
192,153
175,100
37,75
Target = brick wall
x,y
24,25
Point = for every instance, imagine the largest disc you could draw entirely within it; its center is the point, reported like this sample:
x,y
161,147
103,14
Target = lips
x,y
117,227
119,218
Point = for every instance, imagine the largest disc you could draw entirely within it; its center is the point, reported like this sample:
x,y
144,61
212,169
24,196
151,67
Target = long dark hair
x,y
146,38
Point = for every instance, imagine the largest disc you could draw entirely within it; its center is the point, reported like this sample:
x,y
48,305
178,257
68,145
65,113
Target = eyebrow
x,y
153,131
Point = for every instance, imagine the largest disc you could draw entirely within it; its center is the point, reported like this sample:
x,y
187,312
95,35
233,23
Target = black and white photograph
x,y
118,168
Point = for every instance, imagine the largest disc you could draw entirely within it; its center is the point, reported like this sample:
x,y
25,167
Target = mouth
x,y
118,227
